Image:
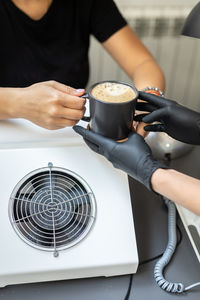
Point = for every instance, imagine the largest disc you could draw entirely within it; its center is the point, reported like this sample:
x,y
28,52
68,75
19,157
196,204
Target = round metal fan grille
x,y
52,208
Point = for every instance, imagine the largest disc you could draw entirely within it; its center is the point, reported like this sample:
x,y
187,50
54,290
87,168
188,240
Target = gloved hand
x,y
177,121
133,156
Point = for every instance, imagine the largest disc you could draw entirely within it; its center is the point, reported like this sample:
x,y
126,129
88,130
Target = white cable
x,y
167,255
192,286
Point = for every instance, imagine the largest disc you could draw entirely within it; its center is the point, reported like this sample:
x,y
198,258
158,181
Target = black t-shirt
x,y
56,46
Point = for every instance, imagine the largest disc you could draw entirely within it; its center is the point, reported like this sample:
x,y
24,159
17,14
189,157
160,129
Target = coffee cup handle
x,y
85,118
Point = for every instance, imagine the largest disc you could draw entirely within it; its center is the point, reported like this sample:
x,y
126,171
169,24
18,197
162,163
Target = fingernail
x,y
79,91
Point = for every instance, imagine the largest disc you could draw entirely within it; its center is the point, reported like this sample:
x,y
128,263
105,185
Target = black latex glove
x,y
177,121
133,156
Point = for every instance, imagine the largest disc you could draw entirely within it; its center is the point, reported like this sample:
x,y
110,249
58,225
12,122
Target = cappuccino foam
x,y
113,92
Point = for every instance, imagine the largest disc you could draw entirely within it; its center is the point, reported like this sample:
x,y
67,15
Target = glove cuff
x,y
159,166
150,165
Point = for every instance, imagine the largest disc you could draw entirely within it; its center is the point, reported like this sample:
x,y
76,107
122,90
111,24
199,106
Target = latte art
x,y
113,92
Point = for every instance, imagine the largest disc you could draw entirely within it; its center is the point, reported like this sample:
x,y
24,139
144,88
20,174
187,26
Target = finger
x,y
131,136
67,113
70,101
92,137
65,88
60,86
140,130
79,92
144,106
140,117
153,99
53,124
134,126
92,146
134,136
155,128
62,122
154,116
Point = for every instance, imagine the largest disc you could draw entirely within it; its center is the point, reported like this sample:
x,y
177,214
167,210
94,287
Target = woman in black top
x,y
44,57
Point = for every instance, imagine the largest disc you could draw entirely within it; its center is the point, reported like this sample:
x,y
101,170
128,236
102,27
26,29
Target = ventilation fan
x,y
52,209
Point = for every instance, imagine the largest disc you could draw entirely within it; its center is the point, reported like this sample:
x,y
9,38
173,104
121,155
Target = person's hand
x,y
177,121
133,156
51,105
139,127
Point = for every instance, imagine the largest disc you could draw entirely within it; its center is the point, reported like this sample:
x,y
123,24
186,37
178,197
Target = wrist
x,y
159,179
19,103
10,99
146,170
153,90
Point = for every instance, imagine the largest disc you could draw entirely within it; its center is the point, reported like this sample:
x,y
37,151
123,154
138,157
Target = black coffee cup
x,y
111,119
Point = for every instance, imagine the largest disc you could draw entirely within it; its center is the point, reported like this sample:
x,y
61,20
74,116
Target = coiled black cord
x,y
171,287
150,260
167,255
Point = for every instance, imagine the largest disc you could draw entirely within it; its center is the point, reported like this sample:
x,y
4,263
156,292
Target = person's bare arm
x,y
134,58
137,62
49,104
178,187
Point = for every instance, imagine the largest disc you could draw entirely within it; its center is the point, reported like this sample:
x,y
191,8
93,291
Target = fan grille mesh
x,y
52,208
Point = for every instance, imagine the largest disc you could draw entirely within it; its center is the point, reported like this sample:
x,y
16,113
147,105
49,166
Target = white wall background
x,y
157,2
178,56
